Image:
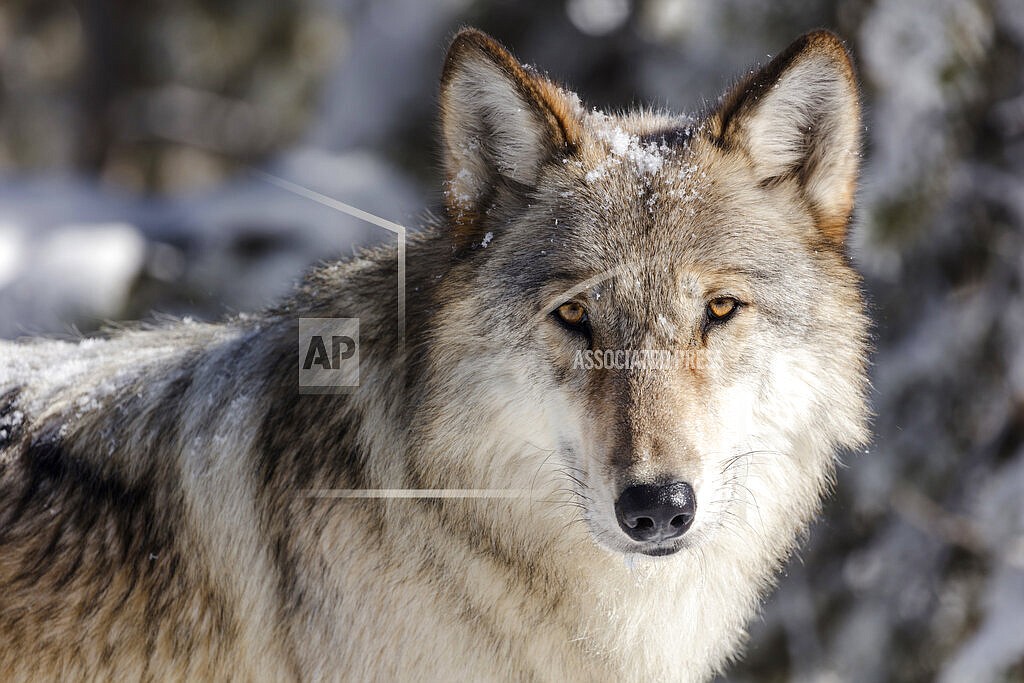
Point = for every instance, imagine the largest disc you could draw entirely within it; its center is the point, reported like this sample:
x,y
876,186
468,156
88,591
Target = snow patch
x,y
625,148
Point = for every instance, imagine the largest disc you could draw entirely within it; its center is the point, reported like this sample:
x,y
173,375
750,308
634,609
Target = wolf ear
x,y
799,117
499,122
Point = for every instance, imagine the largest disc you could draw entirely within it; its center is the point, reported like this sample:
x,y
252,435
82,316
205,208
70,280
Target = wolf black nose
x,y
648,512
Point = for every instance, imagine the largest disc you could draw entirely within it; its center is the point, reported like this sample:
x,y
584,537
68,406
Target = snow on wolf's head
x,y
659,305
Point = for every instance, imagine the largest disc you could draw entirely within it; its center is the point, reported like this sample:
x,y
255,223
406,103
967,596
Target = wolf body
x,y
165,493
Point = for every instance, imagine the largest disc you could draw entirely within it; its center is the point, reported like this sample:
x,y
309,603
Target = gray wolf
x,y
156,514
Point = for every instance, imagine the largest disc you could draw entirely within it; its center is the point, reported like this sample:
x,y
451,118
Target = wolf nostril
x,y
649,512
644,523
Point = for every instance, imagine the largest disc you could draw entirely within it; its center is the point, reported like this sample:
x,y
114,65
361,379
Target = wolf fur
x,y
155,514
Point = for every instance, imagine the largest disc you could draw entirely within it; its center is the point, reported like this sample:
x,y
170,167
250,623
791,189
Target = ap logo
x,y
328,355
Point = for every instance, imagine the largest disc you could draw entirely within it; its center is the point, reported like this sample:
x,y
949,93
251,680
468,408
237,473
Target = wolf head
x,y
659,304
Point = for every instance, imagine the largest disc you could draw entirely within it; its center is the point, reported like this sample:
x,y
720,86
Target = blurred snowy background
x,y
128,131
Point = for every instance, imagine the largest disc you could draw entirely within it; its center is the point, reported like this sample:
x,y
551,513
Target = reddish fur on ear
x,y
549,100
484,91
799,117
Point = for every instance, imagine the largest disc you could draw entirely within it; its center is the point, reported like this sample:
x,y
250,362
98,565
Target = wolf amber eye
x,y
572,313
721,308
